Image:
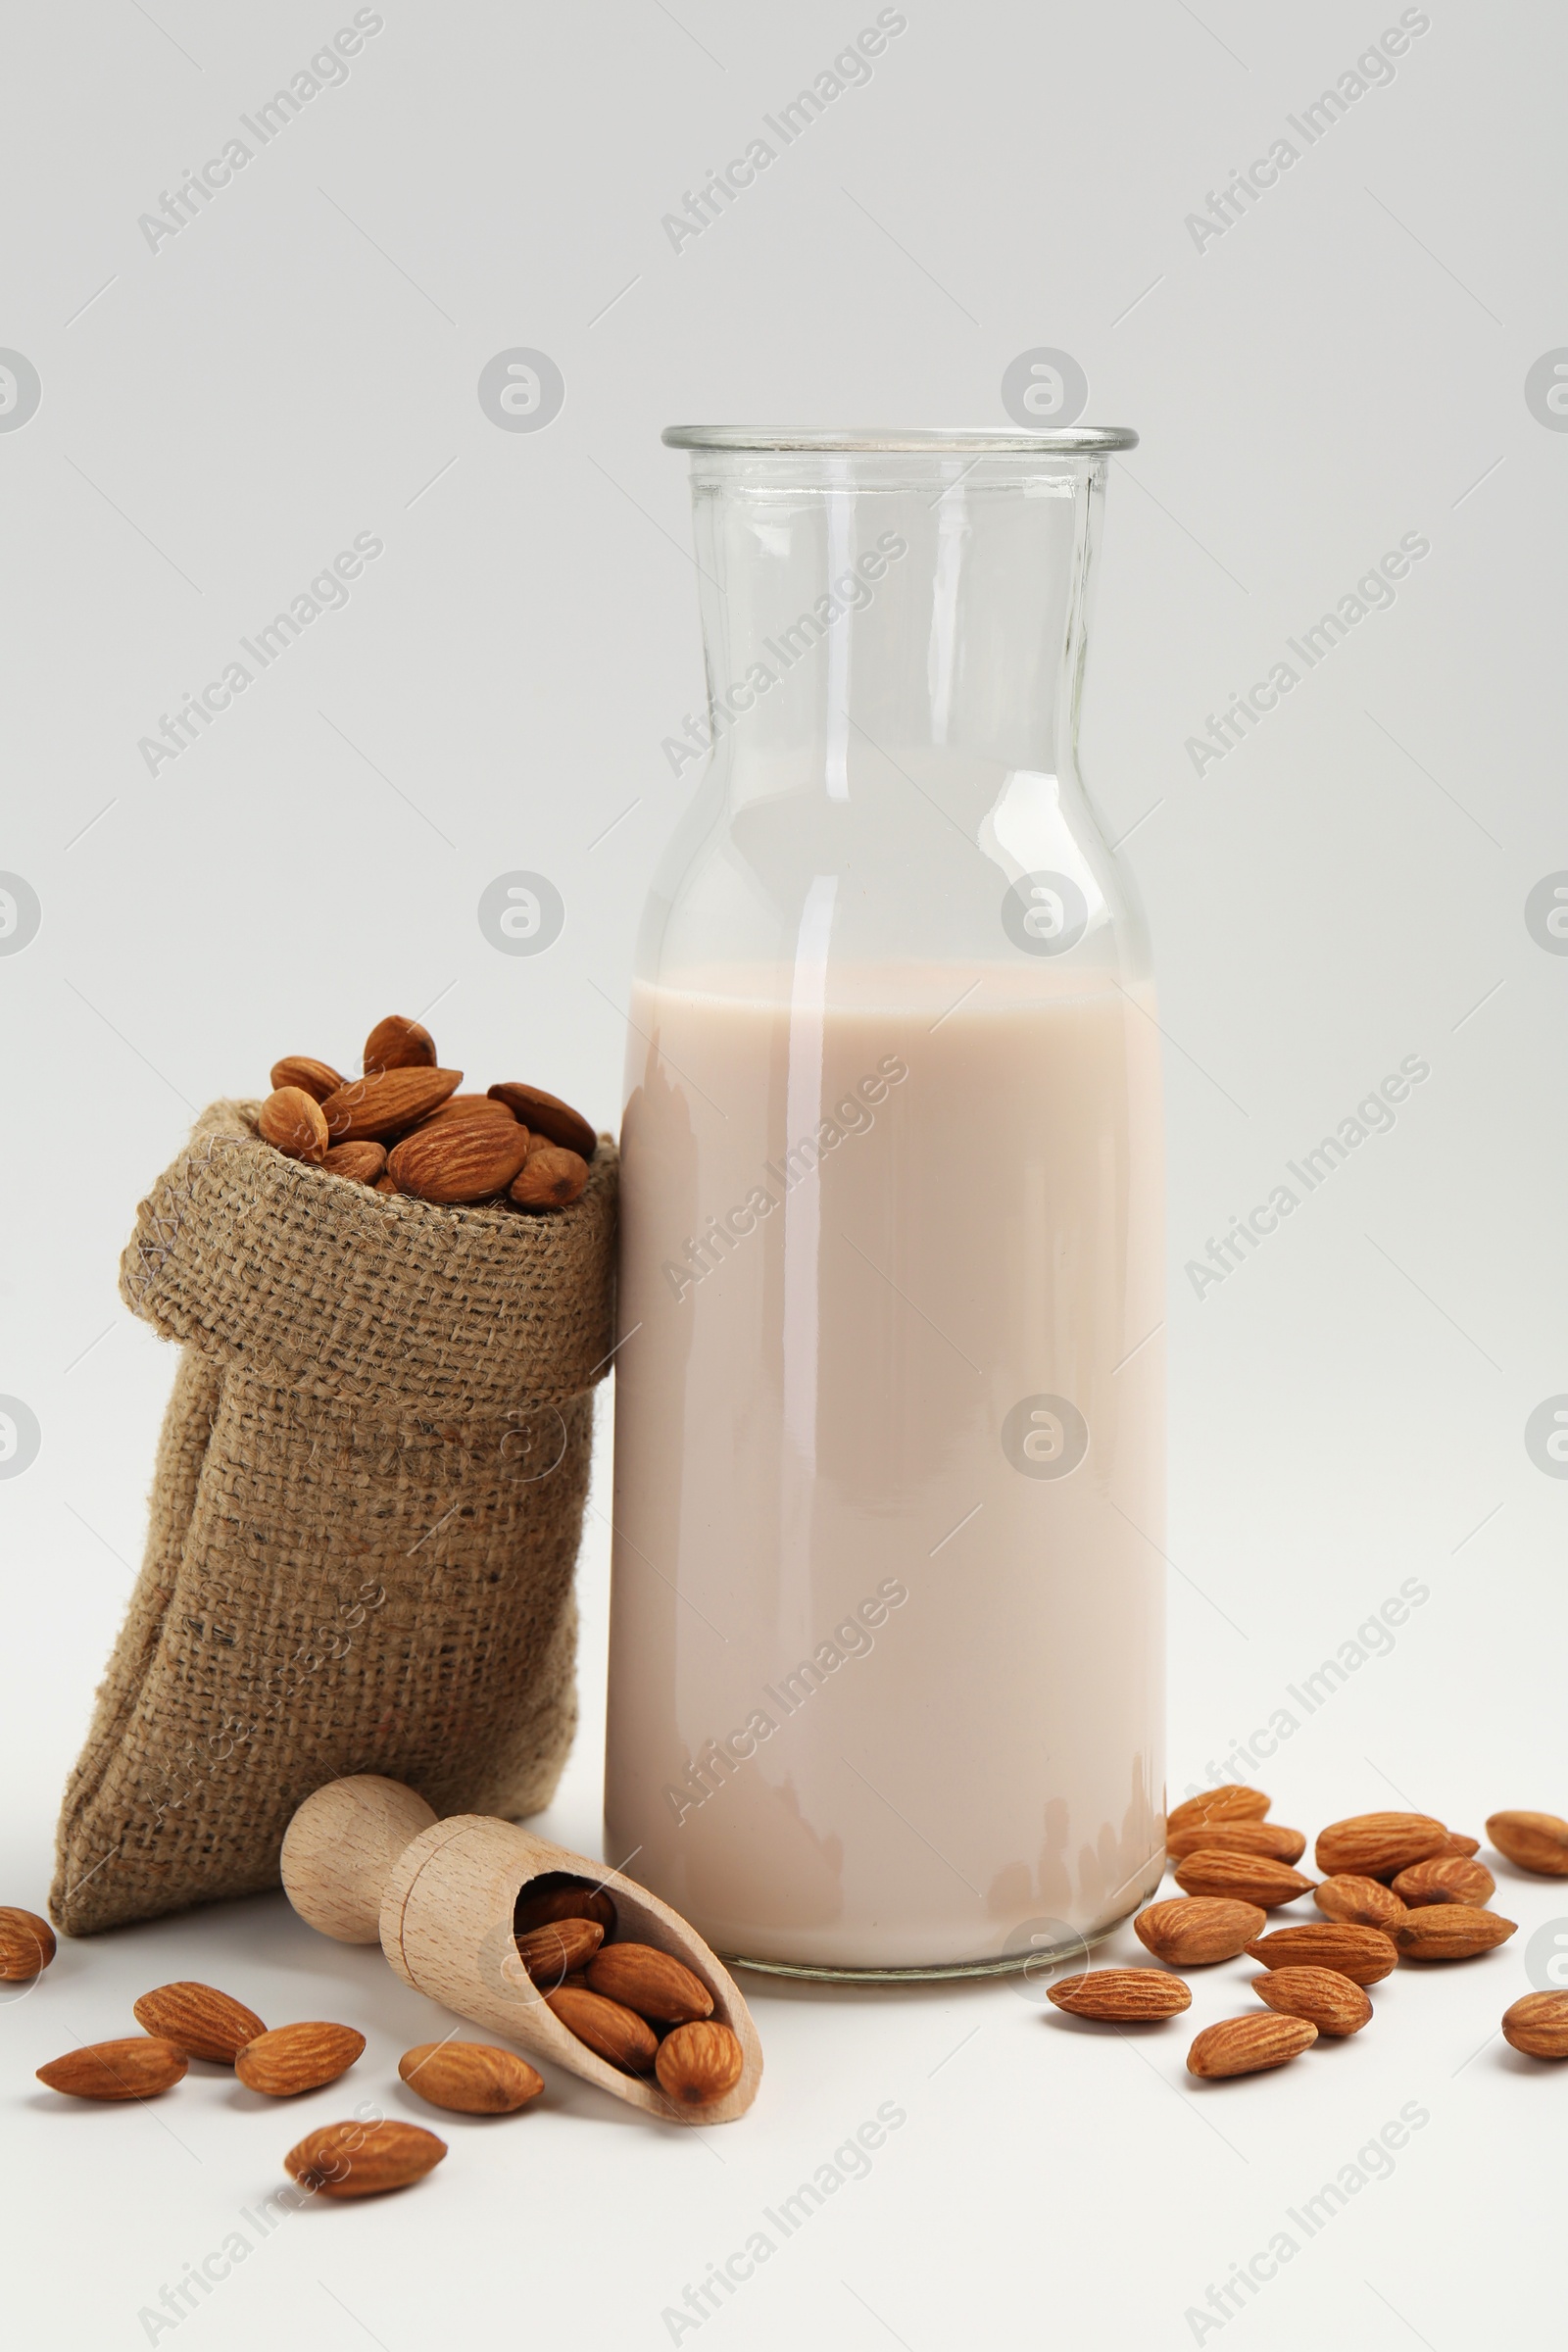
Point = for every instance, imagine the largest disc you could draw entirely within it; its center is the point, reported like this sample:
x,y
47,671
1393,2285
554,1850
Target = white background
x,y
1344,365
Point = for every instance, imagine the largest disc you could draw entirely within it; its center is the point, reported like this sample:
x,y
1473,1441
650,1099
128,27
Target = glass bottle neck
x,y
924,610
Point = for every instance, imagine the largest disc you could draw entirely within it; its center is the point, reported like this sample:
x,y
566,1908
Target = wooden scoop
x,y
366,1860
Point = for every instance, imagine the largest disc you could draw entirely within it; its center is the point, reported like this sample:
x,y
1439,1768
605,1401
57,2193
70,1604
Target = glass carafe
x,y
885,1682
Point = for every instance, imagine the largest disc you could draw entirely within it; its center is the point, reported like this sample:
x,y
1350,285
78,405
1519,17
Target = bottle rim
x,y
1073,440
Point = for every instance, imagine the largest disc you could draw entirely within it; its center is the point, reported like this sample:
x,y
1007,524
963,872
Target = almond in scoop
x,y
699,2062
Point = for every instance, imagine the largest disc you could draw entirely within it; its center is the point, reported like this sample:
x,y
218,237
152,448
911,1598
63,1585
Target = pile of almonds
x,y
1395,1886
636,2007
403,1127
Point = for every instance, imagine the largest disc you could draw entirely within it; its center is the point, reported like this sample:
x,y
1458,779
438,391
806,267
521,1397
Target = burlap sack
x,y
365,1518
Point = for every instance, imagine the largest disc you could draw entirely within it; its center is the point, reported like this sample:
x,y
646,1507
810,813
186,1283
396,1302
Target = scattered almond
x,y
318,1079
396,1044
198,2020
1121,1996
653,1983
461,1162
293,1123
549,1116
137,2067
1374,1846
384,1184
1446,1879
1248,2045
473,2077
550,1177
555,1896
1363,1902
1270,1837
1234,1802
1245,1878
1192,1930
295,2058
699,2062
1364,1954
361,1163
361,2160
26,1944
618,2034
1537,2025
384,1106
1534,1842
1459,1844
551,1952
1450,1932
1335,2004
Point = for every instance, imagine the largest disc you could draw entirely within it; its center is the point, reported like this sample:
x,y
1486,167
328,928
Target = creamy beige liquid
x,y
879,1697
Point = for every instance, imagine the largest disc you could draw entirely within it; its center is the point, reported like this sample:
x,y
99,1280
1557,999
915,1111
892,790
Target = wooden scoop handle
x,y
341,1848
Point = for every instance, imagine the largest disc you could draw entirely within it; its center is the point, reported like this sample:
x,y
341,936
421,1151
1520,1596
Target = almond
x,y
396,1044
651,1981
616,2034
1459,1844
294,2058
382,1106
1362,1902
1537,2025
1537,1842
1248,2045
293,1123
1450,1932
202,2023
473,2077
1446,1879
1335,2004
699,2062
1194,1929
469,1106
1245,1878
1270,1837
550,1177
1364,1954
1374,1846
361,2160
26,1944
1121,1996
361,1163
318,1079
1234,1802
384,1184
548,1116
553,1896
550,1954
137,2067
460,1162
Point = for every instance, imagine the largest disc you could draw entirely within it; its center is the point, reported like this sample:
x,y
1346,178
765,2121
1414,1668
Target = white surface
x,y
1344,366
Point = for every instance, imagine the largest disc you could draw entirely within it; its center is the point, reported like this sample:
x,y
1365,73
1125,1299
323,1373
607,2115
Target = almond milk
x,y
886,1656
